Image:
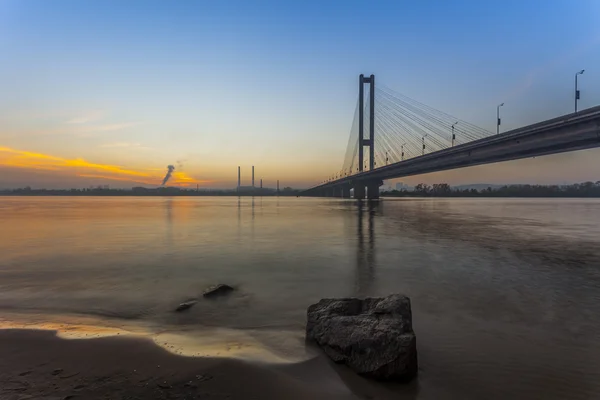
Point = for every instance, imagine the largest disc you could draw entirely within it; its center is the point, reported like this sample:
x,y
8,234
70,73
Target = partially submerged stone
x,y
374,336
217,290
186,305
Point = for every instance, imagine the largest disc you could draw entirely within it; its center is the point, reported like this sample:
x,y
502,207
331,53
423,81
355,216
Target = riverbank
x,y
38,364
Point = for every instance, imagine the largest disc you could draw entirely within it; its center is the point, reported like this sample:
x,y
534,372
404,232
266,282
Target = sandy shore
x,y
37,364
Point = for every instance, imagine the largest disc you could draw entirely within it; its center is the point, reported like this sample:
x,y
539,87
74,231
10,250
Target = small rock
x,y
69,376
217,290
203,378
57,371
164,385
186,305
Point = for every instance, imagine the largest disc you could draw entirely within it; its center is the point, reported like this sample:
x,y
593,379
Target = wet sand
x,y
36,364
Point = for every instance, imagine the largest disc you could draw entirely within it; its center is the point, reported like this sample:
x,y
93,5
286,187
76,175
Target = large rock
x,y
373,336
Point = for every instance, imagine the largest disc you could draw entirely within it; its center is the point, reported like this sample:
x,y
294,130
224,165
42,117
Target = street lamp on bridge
x,y
453,135
498,118
576,88
402,150
423,153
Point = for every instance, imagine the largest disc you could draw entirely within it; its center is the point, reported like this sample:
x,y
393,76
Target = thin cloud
x,y
79,167
108,128
76,130
125,145
542,70
91,116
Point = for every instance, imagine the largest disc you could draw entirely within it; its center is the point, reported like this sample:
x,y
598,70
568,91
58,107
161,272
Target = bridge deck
x,y
569,132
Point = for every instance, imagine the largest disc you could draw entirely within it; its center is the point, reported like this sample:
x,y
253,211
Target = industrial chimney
x,y
253,177
239,179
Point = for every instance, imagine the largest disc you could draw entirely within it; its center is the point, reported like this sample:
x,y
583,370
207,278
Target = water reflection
x,y
168,205
365,254
252,223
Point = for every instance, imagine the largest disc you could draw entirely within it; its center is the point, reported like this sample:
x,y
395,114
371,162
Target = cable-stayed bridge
x,y
405,137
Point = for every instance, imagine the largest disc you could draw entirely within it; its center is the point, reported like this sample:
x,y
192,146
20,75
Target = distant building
x,y
401,186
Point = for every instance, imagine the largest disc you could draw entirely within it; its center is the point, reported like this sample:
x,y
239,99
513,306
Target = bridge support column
x,y
373,190
359,191
335,192
346,192
362,142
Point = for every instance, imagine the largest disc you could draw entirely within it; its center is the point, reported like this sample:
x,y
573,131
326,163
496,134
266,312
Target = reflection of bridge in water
x,y
365,249
414,139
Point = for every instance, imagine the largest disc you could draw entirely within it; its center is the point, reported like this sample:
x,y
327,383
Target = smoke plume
x,y
170,170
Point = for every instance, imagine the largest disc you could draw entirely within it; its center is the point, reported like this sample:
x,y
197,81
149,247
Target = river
x,y
505,292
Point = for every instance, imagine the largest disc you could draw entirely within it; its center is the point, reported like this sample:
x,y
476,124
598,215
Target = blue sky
x,y
213,85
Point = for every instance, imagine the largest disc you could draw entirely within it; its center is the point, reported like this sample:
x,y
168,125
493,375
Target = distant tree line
x,y
585,189
142,191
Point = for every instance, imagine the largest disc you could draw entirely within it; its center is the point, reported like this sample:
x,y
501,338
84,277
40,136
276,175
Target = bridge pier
x,y
346,191
359,191
373,190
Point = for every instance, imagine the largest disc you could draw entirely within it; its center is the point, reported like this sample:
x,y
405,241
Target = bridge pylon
x,y
362,142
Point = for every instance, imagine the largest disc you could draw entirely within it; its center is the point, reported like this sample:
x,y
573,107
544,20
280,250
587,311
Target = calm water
x,y
505,292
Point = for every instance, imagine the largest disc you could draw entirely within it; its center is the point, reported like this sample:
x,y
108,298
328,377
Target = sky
x,y
112,92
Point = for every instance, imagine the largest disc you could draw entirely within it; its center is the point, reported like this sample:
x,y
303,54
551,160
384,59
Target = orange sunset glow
x,y
79,167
